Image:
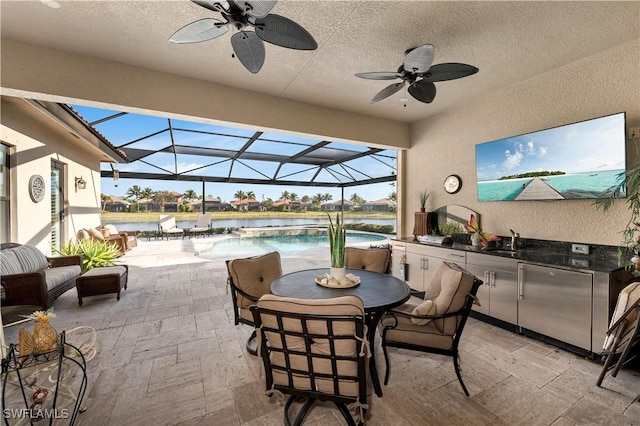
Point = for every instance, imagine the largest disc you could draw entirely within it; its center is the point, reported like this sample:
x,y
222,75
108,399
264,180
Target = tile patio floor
x,y
169,354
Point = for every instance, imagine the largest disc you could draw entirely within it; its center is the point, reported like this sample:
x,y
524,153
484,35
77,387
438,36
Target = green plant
x,y
94,253
628,182
449,228
337,240
423,196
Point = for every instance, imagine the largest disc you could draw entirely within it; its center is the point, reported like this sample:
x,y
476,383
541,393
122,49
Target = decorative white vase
x,y
339,274
475,239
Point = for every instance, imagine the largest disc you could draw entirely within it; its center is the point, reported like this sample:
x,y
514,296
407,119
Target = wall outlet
x,y
634,132
580,248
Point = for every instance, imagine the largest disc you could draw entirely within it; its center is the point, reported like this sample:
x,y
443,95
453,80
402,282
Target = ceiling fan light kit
x,y
248,46
417,71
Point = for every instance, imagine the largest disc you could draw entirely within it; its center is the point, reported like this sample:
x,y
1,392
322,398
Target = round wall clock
x,y
36,188
452,184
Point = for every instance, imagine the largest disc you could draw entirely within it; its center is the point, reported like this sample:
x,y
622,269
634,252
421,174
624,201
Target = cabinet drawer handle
x,y
492,277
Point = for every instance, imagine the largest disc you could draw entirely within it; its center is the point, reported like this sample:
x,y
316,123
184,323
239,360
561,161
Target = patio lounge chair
x,y
167,226
129,236
93,233
203,224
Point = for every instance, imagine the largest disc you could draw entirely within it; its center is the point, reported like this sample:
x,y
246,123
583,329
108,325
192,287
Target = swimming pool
x,y
285,244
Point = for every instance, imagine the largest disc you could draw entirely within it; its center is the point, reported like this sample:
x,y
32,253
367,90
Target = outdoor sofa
x,y
31,278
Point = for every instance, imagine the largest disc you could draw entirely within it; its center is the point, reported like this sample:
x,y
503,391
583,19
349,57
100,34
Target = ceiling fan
x,y
416,70
247,44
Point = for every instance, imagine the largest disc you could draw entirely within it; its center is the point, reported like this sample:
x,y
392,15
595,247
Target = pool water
x,y
285,244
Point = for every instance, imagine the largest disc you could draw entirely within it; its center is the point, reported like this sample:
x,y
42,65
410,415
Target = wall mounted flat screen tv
x,y
576,161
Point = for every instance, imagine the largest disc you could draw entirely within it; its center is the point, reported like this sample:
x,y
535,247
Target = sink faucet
x,y
515,239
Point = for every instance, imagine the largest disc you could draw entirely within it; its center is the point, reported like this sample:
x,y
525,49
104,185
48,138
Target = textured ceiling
x,y
509,42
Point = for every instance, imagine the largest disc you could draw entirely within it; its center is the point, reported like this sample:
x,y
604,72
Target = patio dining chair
x,y
203,224
370,259
314,349
623,334
168,227
435,323
249,279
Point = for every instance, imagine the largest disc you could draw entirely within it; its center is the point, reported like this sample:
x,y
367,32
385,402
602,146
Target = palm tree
x,y
161,197
240,195
190,195
147,193
393,196
134,192
105,199
251,195
285,195
327,197
293,196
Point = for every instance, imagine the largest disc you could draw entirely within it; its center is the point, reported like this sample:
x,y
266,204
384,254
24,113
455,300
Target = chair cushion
x,y
105,270
373,259
344,305
30,258
112,229
254,276
627,297
94,233
56,276
9,263
428,307
448,289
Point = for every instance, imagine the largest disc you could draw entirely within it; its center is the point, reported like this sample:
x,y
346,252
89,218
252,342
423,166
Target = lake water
x,y
245,223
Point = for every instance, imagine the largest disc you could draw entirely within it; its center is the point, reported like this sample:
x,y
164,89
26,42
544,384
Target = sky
x,y
152,134
587,146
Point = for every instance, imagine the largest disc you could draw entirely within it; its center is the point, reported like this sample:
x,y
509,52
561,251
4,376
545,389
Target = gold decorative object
x,y
44,337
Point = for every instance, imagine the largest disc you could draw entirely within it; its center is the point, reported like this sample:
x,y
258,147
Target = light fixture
x,y
80,183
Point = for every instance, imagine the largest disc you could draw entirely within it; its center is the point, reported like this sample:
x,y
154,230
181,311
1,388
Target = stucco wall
x,y
37,142
603,84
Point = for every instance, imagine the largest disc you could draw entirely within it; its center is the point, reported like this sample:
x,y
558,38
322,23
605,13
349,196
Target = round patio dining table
x,y
379,293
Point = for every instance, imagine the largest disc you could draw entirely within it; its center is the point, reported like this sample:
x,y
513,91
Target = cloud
x,y
542,151
512,160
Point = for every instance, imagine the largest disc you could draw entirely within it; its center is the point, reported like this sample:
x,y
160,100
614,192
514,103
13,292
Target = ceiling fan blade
x,y
387,91
255,8
423,90
214,6
284,32
249,49
382,75
449,71
419,60
198,31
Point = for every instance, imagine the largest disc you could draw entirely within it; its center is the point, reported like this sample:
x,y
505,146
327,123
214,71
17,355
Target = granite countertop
x,y
547,253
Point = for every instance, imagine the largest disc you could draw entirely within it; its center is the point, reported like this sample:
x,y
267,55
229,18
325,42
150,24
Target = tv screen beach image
x,y
582,160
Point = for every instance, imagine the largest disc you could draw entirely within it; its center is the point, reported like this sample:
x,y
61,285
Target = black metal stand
x,y
43,386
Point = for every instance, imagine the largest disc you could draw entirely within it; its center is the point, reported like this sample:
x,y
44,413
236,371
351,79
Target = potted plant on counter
x,y
423,196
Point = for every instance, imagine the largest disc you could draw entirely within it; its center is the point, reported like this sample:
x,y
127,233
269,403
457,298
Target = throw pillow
x,y
425,308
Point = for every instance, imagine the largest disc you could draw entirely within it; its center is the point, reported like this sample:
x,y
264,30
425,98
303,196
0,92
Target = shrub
x,y
94,253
